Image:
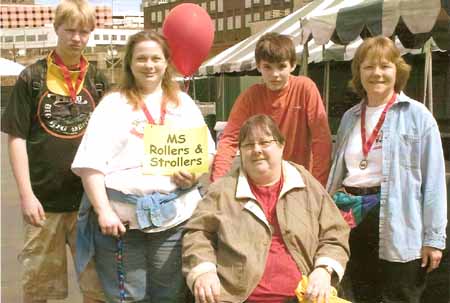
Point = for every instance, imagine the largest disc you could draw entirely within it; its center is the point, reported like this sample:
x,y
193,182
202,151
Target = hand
x,y
207,288
32,211
110,223
319,286
432,257
184,179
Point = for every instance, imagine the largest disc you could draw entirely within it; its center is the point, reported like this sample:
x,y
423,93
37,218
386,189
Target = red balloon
x,y
190,33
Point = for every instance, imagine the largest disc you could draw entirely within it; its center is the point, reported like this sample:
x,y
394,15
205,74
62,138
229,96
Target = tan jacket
x,y
229,233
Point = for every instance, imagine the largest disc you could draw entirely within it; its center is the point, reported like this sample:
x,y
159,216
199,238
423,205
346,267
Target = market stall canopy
x,y
240,57
10,68
413,21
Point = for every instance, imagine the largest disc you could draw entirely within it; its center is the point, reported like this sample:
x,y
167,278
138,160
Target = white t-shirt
x,y
112,145
371,175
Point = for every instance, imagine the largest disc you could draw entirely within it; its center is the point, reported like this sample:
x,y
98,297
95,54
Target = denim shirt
x,y
413,206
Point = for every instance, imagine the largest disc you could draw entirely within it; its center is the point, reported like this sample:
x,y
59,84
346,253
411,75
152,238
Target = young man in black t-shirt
x,y
45,119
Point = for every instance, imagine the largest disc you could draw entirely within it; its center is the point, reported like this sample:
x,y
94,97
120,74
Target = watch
x,y
328,268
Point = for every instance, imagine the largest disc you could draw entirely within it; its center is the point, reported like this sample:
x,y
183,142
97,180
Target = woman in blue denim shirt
x,y
388,179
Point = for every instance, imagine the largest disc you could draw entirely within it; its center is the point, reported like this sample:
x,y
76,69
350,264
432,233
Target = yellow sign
x,y
168,150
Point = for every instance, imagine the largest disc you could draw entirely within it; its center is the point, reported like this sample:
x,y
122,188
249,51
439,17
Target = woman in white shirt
x,y
142,263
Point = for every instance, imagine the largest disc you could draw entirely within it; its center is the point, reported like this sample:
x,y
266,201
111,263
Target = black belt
x,y
362,191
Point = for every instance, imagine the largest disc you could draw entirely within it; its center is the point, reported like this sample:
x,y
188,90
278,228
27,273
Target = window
x,y
8,39
153,16
256,1
267,15
248,3
287,11
212,6
105,37
220,24
204,5
20,38
230,23
31,38
166,12
96,37
220,5
42,37
159,17
267,2
248,19
114,37
123,37
237,22
256,16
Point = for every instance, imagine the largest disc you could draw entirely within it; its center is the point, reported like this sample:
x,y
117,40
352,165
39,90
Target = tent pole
x,y
430,79
326,86
426,50
193,84
305,54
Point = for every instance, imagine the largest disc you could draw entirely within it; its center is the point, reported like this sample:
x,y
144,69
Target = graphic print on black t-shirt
x,y
60,117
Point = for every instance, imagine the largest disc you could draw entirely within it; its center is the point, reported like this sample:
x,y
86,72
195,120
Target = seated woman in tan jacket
x,y
262,227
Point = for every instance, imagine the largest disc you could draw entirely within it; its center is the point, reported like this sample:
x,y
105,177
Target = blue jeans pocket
x,y
155,210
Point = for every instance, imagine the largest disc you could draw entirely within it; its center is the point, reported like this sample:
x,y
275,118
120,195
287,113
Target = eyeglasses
x,y
263,144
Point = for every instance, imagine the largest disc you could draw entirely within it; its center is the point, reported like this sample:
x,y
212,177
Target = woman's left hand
x,y
184,179
319,285
431,258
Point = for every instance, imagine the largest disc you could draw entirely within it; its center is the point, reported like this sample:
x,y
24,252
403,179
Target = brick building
x,y
234,20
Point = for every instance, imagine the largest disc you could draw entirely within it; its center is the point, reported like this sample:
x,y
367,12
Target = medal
x,y
367,144
363,164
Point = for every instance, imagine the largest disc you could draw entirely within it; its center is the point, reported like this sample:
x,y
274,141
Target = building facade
x,y
232,19
31,16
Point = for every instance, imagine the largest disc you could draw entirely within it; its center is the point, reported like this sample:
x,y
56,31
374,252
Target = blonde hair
x,y
128,86
377,48
78,12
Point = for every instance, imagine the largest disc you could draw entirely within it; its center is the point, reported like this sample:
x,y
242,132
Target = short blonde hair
x,y
377,48
78,12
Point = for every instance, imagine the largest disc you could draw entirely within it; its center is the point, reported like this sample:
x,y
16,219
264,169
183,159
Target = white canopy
x,y
10,68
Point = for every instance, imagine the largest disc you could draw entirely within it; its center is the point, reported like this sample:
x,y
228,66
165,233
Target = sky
x,y
122,7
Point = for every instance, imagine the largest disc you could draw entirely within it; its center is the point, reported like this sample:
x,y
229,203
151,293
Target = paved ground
x,y
11,238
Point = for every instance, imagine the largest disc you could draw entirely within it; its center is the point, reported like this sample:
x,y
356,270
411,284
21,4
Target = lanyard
x,y
72,90
367,145
149,116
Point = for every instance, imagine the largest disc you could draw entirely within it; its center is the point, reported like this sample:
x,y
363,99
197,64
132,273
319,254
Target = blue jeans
x,y
151,262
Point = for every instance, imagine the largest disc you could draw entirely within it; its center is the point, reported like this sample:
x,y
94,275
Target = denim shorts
x,y
151,265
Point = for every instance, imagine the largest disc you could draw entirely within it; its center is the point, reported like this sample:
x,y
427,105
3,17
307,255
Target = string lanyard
x,y
149,116
120,269
119,242
66,73
367,145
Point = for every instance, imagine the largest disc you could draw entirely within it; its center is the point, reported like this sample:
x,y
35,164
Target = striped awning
x,y
240,57
412,21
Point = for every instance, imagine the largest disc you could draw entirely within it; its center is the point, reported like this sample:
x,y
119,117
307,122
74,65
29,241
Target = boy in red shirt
x,y
292,101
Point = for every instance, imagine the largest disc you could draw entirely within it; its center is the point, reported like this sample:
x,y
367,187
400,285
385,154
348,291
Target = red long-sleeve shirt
x,y
299,112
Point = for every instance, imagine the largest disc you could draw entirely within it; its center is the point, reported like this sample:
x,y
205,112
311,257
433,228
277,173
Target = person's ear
x,y
258,67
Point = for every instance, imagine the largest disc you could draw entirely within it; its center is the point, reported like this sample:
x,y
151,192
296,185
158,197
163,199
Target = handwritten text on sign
x,y
168,150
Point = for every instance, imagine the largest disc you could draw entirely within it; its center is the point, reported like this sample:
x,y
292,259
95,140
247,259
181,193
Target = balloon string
x,y
186,85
